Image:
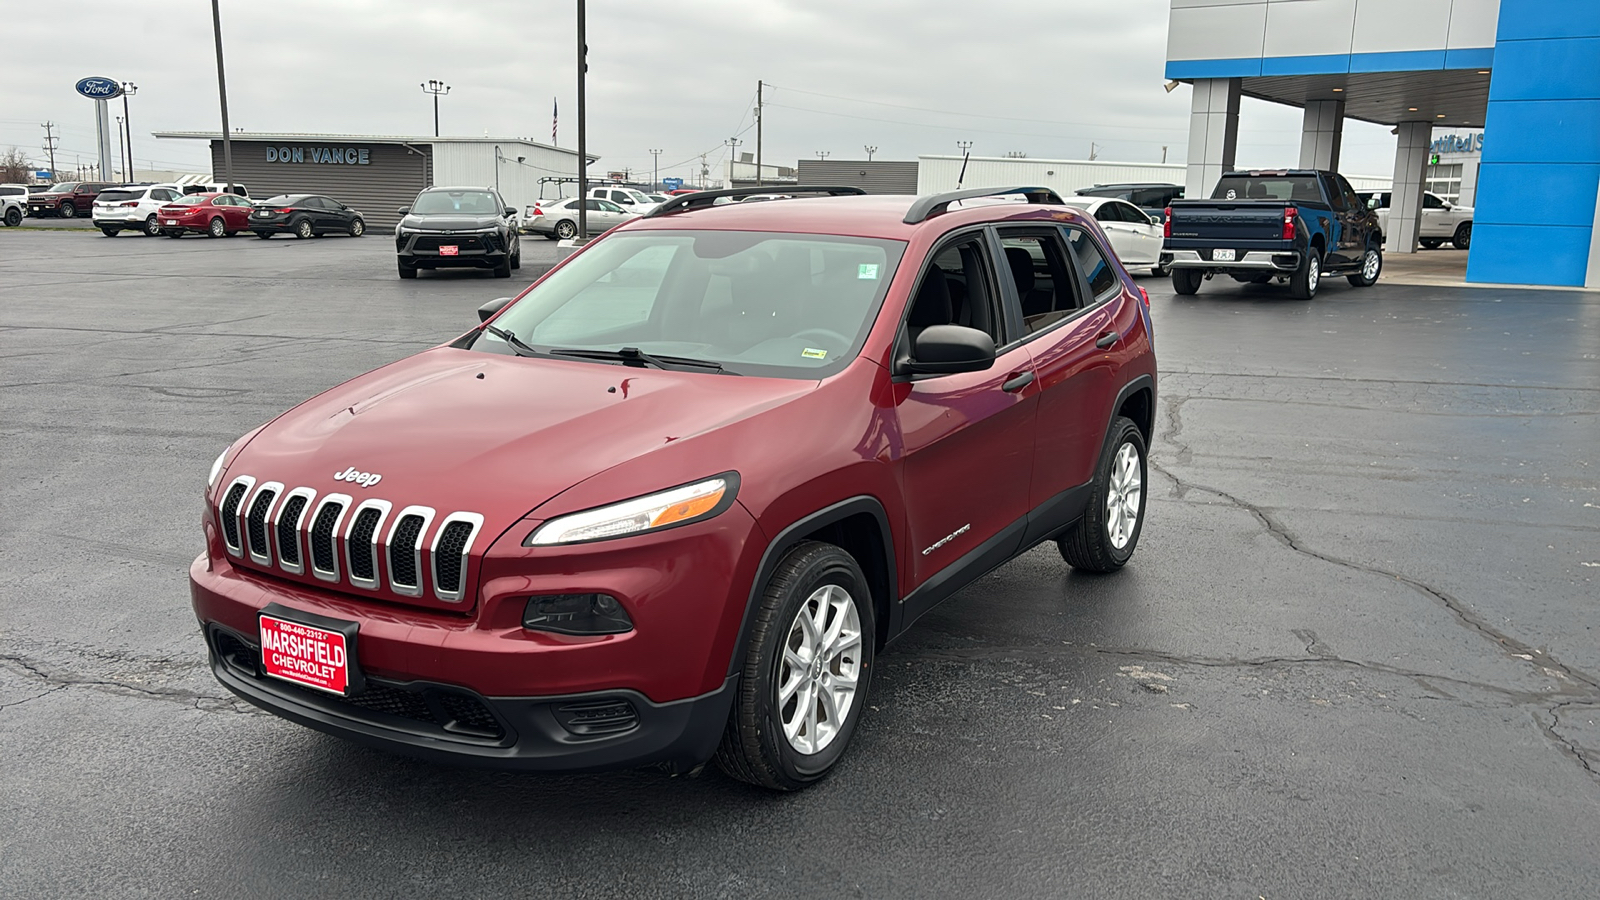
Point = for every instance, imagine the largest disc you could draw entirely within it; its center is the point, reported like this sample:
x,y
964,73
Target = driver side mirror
x,y
487,311
404,210
1155,220
511,210
947,349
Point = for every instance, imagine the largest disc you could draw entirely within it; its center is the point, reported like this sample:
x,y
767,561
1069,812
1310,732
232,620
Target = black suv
x,y
458,226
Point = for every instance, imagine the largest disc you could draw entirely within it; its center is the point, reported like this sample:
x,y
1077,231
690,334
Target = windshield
x,y
1268,187
759,303
117,196
463,203
63,188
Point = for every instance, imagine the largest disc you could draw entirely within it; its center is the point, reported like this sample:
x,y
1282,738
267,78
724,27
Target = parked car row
x,y
166,209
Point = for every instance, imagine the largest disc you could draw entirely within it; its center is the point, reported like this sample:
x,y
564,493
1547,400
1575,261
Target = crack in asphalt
x,y
181,696
1541,660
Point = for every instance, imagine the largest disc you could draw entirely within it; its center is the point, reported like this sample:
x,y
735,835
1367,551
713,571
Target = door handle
x,y
1017,382
1107,339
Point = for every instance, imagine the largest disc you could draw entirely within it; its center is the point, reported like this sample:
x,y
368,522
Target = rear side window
x,y
1044,281
1099,273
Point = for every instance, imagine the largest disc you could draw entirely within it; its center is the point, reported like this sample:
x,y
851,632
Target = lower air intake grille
x,y
288,524
322,557
230,514
362,564
597,716
402,551
256,523
447,556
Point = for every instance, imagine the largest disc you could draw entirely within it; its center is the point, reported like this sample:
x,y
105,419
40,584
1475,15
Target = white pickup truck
x,y
1441,220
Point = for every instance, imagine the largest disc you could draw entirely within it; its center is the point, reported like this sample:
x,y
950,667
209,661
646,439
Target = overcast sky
x,y
1044,77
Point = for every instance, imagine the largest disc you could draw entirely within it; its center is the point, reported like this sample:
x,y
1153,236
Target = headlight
x,y
216,468
678,506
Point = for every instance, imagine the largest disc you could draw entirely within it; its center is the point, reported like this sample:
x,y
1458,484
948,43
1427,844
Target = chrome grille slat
x,y
228,513
323,536
258,538
452,548
403,549
290,520
361,543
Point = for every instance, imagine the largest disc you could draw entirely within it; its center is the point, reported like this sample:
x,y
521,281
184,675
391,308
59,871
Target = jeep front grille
x,y
338,540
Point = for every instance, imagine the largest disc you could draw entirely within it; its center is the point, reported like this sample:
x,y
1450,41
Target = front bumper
x,y
589,732
476,249
1258,260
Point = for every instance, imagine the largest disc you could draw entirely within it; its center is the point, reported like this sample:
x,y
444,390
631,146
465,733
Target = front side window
x,y
466,203
757,303
957,289
1429,201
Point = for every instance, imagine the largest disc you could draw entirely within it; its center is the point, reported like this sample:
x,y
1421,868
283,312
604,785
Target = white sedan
x,y
1135,237
558,219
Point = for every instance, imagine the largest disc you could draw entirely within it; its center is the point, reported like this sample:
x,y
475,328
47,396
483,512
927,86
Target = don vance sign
x,y
336,156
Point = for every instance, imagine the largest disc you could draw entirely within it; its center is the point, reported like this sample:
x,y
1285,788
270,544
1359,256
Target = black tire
x,y
1306,279
357,228
303,229
217,228
551,237
566,230
1463,236
753,747
1160,271
1187,281
504,269
173,233
516,257
152,228
406,271
13,217
1431,243
264,235
1371,261
111,232
68,210
1088,544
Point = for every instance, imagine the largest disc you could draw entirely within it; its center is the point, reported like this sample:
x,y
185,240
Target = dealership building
x,y
1524,74
378,174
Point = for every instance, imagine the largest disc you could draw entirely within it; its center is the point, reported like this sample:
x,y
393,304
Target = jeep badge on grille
x,y
365,479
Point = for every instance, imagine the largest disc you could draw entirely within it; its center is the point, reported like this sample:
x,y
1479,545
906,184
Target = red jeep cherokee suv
x,y
670,502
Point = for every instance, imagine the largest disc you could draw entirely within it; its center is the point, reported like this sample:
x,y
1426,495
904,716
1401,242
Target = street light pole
x,y
435,88
870,150
823,154
583,136
733,156
655,170
128,90
222,94
122,158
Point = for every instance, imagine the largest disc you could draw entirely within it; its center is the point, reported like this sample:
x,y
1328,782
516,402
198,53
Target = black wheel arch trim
x,y
792,535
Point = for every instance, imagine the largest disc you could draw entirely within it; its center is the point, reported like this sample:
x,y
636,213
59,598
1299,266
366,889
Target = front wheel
x,y
1187,281
1104,539
406,271
503,270
13,217
302,229
1303,286
357,228
1463,236
516,258
68,210
804,679
1371,266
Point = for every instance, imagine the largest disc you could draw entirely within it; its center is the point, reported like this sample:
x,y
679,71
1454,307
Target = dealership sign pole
x,y
222,92
583,140
100,90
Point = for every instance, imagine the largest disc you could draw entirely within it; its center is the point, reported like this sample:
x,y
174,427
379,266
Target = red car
x,y
218,215
671,501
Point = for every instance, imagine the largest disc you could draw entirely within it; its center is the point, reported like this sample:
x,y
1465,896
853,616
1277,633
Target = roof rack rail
x,y
933,204
686,202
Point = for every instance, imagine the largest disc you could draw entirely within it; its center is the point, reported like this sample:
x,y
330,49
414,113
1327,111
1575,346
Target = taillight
x,y
131,203
1288,222
537,211
1166,224
1145,296
288,210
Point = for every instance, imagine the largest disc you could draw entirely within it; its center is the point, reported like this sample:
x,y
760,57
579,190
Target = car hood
x,y
459,430
449,223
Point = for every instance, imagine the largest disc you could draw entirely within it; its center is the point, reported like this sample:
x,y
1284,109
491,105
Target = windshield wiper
x,y
517,347
633,356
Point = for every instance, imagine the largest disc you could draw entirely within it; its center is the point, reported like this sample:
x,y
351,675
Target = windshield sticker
x,y
809,353
868,271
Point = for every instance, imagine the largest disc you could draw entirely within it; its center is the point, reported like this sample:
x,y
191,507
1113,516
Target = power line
x,y
947,112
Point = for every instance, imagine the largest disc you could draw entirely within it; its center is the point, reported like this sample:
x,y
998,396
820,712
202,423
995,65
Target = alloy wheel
x,y
1313,273
820,669
217,228
1369,266
1123,496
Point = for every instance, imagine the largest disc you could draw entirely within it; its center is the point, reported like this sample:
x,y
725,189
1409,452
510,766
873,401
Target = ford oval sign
x,y
96,88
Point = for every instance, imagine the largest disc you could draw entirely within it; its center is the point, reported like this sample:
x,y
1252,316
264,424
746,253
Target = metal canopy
x,y
1461,96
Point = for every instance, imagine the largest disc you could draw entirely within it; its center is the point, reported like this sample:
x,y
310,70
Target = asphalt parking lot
x,y
1356,655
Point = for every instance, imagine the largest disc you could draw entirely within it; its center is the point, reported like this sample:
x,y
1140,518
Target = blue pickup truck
x,y
1295,226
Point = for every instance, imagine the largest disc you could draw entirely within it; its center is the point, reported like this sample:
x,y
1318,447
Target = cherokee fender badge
x,y
948,538
365,479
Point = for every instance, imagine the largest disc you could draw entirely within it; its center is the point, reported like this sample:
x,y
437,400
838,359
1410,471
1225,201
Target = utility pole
x,y
222,94
122,158
870,150
583,129
128,90
655,170
705,171
435,88
758,133
50,141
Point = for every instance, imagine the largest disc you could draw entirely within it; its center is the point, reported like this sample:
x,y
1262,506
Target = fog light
x,y
576,614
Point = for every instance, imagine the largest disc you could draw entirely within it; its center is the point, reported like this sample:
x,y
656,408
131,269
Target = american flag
x,y
555,116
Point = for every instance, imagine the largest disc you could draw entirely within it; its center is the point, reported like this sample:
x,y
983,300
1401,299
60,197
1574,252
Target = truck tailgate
x,y
1226,222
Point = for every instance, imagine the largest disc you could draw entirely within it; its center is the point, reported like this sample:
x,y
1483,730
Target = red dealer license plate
x,y
305,654
450,250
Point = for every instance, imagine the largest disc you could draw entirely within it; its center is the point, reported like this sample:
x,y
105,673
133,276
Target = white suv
x,y
13,203
632,200
133,207
1441,220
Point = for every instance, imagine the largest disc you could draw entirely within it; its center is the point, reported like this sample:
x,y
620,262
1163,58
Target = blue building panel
x,y
1529,254
1213,68
1557,69
1539,20
1535,193
1543,131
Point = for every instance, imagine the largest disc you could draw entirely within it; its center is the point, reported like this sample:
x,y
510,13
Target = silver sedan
x,y
558,219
